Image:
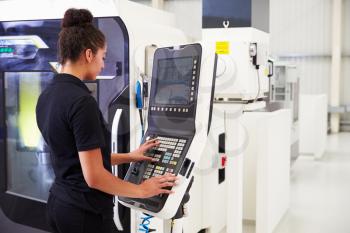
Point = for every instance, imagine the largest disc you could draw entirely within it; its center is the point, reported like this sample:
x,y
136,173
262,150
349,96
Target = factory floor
x,y
320,192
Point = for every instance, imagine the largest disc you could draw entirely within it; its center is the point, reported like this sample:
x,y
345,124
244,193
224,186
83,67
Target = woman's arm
x,y
136,155
97,177
120,158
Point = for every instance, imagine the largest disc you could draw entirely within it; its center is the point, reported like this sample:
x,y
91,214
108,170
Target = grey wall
x,y
304,28
188,15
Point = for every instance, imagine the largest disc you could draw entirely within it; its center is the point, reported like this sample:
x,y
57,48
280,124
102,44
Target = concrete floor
x,y
320,192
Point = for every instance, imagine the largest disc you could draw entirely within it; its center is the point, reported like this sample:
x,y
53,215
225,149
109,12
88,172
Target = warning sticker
x,y
223,47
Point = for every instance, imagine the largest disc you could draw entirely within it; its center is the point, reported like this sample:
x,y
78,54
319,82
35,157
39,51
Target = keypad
x,y
166,156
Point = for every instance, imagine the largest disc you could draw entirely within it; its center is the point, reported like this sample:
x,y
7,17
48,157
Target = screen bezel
x,y
191,50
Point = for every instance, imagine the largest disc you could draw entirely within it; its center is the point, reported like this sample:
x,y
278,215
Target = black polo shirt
x,y
70,121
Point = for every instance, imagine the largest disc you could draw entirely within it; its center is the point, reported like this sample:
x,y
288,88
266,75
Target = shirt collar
x,y
63,77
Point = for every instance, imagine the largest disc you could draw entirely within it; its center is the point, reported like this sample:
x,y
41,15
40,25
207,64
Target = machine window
x,y
29,170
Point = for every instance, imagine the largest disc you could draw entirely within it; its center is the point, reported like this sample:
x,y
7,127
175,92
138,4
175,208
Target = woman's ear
x,y
89,55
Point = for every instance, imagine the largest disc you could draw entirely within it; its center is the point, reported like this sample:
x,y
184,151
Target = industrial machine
x,y
208,141
176,118
28,62
27,174
238,31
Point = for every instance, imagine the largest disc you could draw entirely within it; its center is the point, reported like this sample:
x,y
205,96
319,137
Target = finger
x,y
165,191
167,179
151,141
169,174
149,146
167,184
146,158
146,147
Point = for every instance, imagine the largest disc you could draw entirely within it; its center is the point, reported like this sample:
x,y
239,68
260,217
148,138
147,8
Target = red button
x,y
223,161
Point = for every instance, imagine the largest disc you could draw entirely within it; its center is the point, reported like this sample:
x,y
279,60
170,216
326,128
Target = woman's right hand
x,y
156,185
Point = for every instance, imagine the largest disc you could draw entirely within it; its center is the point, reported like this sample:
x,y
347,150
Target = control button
x,y
162,109
169,170
192,88
166,109
194,72
194,77
184,110
192,93
194,67
135,171
170,109
191,99
179,109
194,61
158,108
175,109
193,84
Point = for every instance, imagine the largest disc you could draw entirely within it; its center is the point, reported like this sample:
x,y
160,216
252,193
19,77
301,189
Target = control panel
x,y
173,120
166,156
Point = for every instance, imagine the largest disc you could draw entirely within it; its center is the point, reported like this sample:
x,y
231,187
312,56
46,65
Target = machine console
x,y
171,120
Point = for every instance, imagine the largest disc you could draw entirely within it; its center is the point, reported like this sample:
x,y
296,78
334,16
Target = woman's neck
x,y
73,69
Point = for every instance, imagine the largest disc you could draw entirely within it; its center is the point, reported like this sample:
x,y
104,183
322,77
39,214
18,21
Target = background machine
x,y
238,30
284,93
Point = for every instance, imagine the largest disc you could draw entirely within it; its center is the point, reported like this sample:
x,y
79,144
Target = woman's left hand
x,y
138,154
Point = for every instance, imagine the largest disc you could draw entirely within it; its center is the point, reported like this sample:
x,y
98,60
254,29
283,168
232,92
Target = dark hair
x,y
78,34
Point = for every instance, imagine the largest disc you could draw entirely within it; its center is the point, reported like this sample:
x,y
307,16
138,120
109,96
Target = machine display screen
x,y
173,85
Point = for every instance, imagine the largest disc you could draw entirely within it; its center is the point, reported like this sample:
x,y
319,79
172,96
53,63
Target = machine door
x,y
28,60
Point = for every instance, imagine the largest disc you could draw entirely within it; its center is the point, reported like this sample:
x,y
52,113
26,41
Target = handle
x,y
271,68
114,149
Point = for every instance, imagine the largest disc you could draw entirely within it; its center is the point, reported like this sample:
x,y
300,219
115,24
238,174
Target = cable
x,y
257,95
141,120
144,226
172,225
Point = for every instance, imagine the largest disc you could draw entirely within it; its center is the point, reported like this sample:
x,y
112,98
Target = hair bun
x,y
76,18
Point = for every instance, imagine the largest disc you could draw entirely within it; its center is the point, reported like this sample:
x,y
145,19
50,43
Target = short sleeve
x,y
85,122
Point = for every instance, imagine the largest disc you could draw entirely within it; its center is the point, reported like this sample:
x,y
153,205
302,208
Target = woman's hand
x,y
138,154
157,185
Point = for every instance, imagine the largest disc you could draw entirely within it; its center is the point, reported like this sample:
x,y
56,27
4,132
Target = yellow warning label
x,y
223,47
266,72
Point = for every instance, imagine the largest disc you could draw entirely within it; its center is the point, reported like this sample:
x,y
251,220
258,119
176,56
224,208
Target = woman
x,y
81,198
